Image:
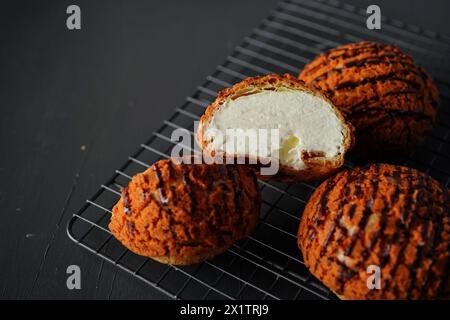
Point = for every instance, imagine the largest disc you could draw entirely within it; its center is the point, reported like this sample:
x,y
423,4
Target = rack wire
x,y
267,264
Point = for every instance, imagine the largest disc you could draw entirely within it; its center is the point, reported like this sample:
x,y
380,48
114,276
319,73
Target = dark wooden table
x,y
75,104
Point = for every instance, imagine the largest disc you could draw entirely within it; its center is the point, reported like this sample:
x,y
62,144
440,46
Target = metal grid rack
x,y
267,264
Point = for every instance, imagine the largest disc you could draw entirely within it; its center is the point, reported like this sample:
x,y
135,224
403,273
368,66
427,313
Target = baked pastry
x,y
392,217
312,140
390,101
182,214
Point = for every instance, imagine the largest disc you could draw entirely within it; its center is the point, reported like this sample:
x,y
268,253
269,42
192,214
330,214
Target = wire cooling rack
x,y
267,264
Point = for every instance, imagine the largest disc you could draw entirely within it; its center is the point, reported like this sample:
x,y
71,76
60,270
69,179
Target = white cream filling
x,y
305,122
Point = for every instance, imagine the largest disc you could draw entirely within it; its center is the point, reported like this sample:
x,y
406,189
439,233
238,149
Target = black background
x,y
105,87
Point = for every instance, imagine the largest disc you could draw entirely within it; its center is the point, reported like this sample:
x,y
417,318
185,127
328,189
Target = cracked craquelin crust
x,y
393,217
317,167
186,213
391,102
